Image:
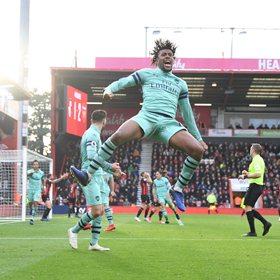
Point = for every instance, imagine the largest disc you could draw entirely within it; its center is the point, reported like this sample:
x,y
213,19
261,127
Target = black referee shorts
x,y
253,193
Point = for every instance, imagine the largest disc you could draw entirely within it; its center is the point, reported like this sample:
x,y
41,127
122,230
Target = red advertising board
x,y
115,118
202,116
76,114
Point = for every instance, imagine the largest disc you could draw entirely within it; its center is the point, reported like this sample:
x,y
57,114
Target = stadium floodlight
x,y
94,103
258,105
203,104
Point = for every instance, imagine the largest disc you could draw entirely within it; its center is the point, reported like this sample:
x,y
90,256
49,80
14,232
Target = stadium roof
x,y
220,82
15,89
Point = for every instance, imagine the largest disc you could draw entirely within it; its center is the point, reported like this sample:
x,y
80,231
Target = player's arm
x,y
30,172
111,184
43,183
189,120
154,192
134,79
62,177
246,174
148,178
187,114
168,185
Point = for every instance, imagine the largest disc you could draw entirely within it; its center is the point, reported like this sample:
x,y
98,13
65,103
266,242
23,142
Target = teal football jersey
x,y
90,144
161,186
35,180
162,93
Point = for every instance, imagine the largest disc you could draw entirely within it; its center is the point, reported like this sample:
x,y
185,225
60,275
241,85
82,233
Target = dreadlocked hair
x,y
161,44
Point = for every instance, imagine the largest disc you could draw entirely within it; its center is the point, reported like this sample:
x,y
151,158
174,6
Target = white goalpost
x,y
13,182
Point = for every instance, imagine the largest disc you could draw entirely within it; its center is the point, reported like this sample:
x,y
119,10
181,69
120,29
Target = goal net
x,y
13,182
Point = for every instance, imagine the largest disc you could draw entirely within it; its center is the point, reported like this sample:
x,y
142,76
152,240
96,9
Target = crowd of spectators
x,y
251,126
221,162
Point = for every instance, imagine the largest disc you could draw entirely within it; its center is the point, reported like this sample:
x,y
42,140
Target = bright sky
x,y
117,29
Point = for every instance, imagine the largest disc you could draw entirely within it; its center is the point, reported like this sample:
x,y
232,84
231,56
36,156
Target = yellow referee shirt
x,y
257,166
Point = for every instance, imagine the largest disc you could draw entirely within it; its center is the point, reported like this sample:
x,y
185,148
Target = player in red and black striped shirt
x,y
45,193
74,200
145,195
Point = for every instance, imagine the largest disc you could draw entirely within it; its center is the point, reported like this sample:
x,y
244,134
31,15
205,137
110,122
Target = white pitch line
x,y
9,222
145,239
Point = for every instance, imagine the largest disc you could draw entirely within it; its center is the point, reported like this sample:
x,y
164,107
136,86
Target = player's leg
x,y
32,212
108,212
30,203
185,142
147,209
174,134
257,191
31,206
140,209
130,130
153,210
160,221
164,212
70,207
88,226
249,204
93,198
35,200
76,209
172,207
48,205
250,219
96,230
251,196
255,194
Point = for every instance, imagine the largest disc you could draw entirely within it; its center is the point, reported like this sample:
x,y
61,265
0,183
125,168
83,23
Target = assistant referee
x,y
255,176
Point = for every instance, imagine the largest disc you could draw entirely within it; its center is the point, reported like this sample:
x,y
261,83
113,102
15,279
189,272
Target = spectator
x,y
251,126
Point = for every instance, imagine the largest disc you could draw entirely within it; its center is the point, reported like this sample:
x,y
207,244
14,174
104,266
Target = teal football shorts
x,y
34,195
157,127
92,190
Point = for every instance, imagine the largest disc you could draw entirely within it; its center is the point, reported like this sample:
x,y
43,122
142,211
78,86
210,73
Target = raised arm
x,y
148,178
64,176
134,79
30,172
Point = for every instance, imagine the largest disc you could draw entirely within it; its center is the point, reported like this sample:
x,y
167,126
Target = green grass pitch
x,y
207,247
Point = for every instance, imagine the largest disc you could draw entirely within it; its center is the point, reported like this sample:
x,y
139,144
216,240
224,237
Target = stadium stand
x,y
221,162
229,160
